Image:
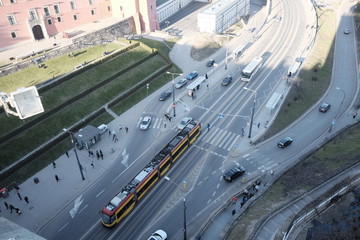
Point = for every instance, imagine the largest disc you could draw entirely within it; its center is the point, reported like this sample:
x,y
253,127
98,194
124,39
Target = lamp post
x,y
168,179
77,157
253,110
173,83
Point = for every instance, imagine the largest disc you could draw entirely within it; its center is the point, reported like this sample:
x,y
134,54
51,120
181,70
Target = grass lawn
x,y
55,67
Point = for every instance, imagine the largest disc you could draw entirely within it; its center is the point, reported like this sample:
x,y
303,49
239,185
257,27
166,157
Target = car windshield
x,y
144,122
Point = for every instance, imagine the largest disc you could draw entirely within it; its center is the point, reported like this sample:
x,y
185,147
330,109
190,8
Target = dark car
x,y
226,81
284,142
192,75
165,95
324,107
210,63
234,173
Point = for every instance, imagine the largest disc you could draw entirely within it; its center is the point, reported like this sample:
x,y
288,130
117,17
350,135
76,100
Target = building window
x,y
75,17
72,5
49,21
46,11
11,19
32,14
56,8
59,19
109,8
13,35
12,1
91,2
92,12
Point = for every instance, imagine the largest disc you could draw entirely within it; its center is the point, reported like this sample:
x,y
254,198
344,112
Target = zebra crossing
x,y
221,138
267,163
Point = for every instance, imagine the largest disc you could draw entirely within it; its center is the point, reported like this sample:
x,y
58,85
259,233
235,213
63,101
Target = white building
x,y
222,14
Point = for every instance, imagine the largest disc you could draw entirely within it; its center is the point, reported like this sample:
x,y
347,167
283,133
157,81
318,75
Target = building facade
x,y
22,20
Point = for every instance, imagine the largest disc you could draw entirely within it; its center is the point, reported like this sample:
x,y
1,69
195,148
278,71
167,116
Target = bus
x,y
130,195
251,69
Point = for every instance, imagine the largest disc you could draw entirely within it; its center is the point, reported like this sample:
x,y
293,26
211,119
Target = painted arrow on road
x,y
77,204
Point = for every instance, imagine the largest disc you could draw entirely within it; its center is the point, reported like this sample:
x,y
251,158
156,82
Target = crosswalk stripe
x,y
226,143
217,137
233,143
212,135
223,134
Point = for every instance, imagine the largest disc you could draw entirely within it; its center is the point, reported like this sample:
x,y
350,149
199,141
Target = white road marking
x,y
63,227
99,193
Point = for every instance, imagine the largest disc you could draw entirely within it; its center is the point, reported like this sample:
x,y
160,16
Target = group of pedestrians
x,y
16,209
99,154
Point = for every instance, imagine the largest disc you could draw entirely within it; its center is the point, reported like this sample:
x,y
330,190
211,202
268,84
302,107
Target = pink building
x,y
22,20
143,11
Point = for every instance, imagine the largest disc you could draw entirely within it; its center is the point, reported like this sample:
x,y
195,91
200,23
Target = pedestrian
x,y
11,208
257,188
242,132
208,126
234,199
54,164
109,133
67,154
354,115
272,172
192,95
170,119
258,125
89,153
233,212
126,129
26,199
206,76
18,211
57,178
101,155
19,196
97,155
242,204
16,187
164,124
6,205
92,164
116,139
207,85
120,127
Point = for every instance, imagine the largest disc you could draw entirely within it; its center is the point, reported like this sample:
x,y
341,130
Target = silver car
x,y
184,122
181,83
145,123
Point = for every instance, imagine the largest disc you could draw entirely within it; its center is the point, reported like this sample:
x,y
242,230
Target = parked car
x,y
103,128
158,235
324,107
346,31
226,81
165,95
192,75
283,143
210,63
184,122
234,173
145,123
181,83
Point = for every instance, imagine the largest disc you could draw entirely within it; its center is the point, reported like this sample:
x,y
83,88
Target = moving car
x,y
284,142
226,81
145,123
181,83
324,107
346,31
210,63
103,128
184,122
192,75
165,95
158,235
234,173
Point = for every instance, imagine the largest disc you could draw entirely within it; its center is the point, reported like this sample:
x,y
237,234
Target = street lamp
x,y
147,89
253,110
77,157
172,74
168,179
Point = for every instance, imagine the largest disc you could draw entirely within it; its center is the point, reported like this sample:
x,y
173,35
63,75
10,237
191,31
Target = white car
x,y
158,235
184,122
103,128
145,123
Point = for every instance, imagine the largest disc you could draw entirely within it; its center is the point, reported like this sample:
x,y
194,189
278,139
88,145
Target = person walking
x,y
57,178
120,127
101,155
67,154
19,196
109,133
26,199
54,165
92,164
208,126
11,208
6,205
18,211
97,155
126,129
